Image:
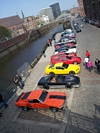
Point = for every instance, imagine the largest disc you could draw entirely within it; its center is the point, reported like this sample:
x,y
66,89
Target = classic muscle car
x,y
67,60
61,68
41,99
61,81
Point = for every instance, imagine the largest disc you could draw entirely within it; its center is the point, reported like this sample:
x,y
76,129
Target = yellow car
x,y
61,68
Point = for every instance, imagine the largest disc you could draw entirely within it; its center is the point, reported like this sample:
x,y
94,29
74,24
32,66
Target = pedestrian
x,y
97,64
2,101
54,41
82,25
87,54
86,60
18,81
49,42
44,54
0,114
90,65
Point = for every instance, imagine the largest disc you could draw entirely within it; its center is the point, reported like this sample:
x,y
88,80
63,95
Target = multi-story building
x,y
47,12
74,10
56,10
81,7
29,23
14,24
92,8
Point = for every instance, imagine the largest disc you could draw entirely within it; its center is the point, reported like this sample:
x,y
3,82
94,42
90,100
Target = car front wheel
x,y
54,110
25,108
68,86
52,73
75,62
46,86
71,72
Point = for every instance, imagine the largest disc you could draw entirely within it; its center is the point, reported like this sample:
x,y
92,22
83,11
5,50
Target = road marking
x,y
67,112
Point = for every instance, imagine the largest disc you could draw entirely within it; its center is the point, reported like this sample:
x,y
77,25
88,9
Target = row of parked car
x,y
91,21
64,64
59,74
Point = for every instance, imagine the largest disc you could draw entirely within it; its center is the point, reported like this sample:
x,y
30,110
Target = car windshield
x,y
51,66
43,96
60,78
65,65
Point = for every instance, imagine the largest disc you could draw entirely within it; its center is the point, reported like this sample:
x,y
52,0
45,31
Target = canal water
x,y
12,62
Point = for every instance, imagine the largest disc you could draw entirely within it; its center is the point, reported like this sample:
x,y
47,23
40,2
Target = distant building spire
x,y
22,14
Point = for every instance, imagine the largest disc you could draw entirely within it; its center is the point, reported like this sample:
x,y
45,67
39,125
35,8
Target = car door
x,y
65,60
61,70
35,103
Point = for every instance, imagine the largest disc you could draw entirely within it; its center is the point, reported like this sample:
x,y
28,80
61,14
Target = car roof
x,y
58,64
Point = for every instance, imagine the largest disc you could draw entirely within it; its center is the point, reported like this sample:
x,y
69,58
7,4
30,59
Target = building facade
x,y
74,10
56,10
81,7
47,12
29,23
14,24
92,9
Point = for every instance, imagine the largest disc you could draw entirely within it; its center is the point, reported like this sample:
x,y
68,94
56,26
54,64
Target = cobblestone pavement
x,y
85,109
15,120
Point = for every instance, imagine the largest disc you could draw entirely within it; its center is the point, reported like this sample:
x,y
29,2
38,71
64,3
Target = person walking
x,y
0,114
44,54
49,42
2,101
86,60
18,81
87,54
90,65
97,64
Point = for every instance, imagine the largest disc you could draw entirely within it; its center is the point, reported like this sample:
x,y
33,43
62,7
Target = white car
x,y
66,40
70,50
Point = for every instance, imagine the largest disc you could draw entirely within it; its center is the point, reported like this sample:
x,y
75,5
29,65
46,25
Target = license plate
x,y
75,85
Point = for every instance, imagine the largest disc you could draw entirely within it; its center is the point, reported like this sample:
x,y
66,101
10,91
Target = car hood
x,y
74,67
55,99
71,78
42,81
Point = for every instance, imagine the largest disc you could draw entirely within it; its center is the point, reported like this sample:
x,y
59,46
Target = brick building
x,y
14,24
92,8
81,7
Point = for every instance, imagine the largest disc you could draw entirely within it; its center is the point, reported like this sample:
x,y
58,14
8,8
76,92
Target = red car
x,y
68,44
60,54
67,60
40,99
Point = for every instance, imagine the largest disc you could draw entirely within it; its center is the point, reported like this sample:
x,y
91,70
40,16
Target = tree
x,y
4,32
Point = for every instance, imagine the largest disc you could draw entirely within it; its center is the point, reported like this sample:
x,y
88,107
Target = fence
x,y
8,93
24,72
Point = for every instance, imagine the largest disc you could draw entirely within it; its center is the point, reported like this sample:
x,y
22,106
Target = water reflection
x,y
26,53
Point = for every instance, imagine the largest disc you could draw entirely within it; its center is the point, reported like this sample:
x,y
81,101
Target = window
x,y
59,67
65,65
43,96
51,66
33,101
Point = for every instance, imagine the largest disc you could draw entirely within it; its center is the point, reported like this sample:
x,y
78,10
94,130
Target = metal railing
x,y
24,72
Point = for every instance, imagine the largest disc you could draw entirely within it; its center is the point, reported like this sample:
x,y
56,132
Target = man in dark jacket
x,y
18,81
97,64
2,101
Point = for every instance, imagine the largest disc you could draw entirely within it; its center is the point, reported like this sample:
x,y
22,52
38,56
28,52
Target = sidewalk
x,y
9,123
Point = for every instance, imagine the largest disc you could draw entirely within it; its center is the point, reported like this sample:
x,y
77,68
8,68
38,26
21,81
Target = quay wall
x,y
6,47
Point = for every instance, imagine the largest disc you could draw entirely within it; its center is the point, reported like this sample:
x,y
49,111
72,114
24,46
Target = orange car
x,y
41,99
